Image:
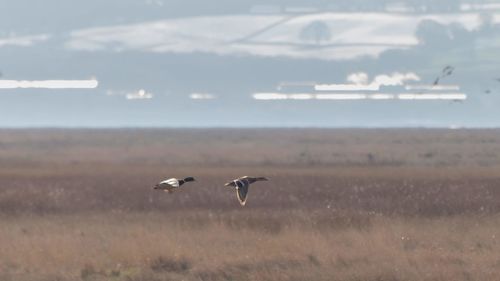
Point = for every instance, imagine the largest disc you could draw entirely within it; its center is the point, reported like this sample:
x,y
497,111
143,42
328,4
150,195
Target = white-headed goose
x,y
241,185
171,184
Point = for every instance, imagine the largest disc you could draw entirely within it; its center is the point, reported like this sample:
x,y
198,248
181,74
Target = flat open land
x,y
353,205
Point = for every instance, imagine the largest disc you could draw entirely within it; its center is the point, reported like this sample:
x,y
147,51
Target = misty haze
x,y
206,65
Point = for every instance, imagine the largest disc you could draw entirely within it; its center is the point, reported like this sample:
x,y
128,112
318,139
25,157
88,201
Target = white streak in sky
x,y
360,82
300,96
381,97
433,87
450,96
341,96
480,7
345,87
23,41
270,96
358,96
201,96
49,84
139,95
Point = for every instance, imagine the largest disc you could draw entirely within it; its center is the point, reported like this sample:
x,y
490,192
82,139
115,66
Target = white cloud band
x,y
49,84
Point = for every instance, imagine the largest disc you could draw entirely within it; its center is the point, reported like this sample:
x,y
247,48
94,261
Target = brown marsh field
x,y
353,205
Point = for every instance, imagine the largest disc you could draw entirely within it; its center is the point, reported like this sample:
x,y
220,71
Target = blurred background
x,y
251,63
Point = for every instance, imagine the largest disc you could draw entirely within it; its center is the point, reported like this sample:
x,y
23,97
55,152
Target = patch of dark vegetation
x,y
50,277
313,260
87,271
263,270
383,277
164,264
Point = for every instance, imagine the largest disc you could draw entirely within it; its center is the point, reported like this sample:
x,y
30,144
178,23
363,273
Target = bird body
x,y
169,185
436,82
241,185
447,71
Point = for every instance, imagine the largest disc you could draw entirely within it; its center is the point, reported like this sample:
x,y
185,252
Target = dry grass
x,y
230,246
342,205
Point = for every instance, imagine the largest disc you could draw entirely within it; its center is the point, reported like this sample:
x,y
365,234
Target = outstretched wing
x,y
248,179
231,183
241,193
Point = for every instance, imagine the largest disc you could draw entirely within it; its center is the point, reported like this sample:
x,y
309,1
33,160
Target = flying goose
x,y
171,184
447,71
241,185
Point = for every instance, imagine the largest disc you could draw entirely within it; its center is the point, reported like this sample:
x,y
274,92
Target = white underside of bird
x,y
242,185
169,185
241,191
172,182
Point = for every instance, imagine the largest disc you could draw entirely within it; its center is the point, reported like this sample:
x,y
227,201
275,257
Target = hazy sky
x,y
150,63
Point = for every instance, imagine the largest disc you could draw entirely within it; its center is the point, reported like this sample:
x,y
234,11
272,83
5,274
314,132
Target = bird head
x,y
188,179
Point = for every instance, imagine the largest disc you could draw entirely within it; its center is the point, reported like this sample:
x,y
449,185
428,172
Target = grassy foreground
x,y
350,205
